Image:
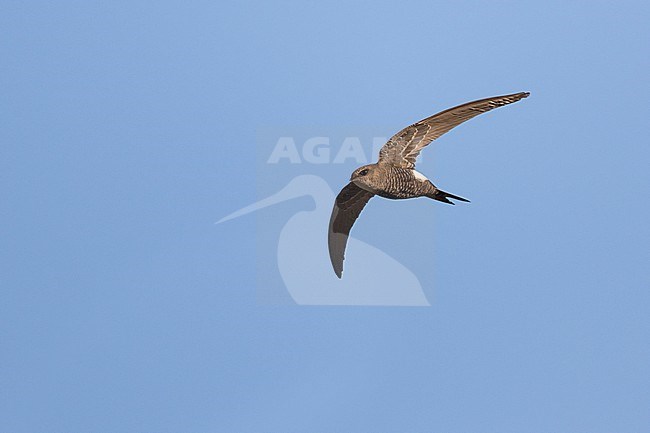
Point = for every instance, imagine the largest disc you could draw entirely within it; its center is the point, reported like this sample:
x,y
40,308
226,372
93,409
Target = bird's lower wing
x,y
347,207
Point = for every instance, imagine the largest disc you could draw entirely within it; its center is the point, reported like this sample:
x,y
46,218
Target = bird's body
x,y
394,175
396,183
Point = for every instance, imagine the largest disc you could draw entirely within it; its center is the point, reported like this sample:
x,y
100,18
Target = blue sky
x,y
129,128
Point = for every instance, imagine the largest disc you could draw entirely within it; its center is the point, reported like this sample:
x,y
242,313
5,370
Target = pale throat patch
x,y
419,176
363,186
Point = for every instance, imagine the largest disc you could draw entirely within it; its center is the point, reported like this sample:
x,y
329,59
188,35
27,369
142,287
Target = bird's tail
x,y
444,197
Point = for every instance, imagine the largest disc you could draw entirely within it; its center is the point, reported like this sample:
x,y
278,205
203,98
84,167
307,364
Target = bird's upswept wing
x,y
403,148
347,207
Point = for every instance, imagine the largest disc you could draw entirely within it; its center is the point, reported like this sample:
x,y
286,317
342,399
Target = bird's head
x,y
364,177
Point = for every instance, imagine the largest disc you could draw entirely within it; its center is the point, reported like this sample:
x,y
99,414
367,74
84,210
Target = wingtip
x,y
524,94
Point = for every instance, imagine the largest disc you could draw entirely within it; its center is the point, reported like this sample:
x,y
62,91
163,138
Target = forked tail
x,y
445,196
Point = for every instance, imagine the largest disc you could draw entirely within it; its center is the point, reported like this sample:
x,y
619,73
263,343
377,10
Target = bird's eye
x,y
363,172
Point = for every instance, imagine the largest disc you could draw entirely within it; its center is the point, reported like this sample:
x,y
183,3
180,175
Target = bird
x,y
394,176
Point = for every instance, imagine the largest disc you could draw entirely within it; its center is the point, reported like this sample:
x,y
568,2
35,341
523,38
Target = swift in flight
x,y
394,175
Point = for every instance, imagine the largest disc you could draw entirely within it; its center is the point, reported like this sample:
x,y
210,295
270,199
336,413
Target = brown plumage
x,y
394,175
